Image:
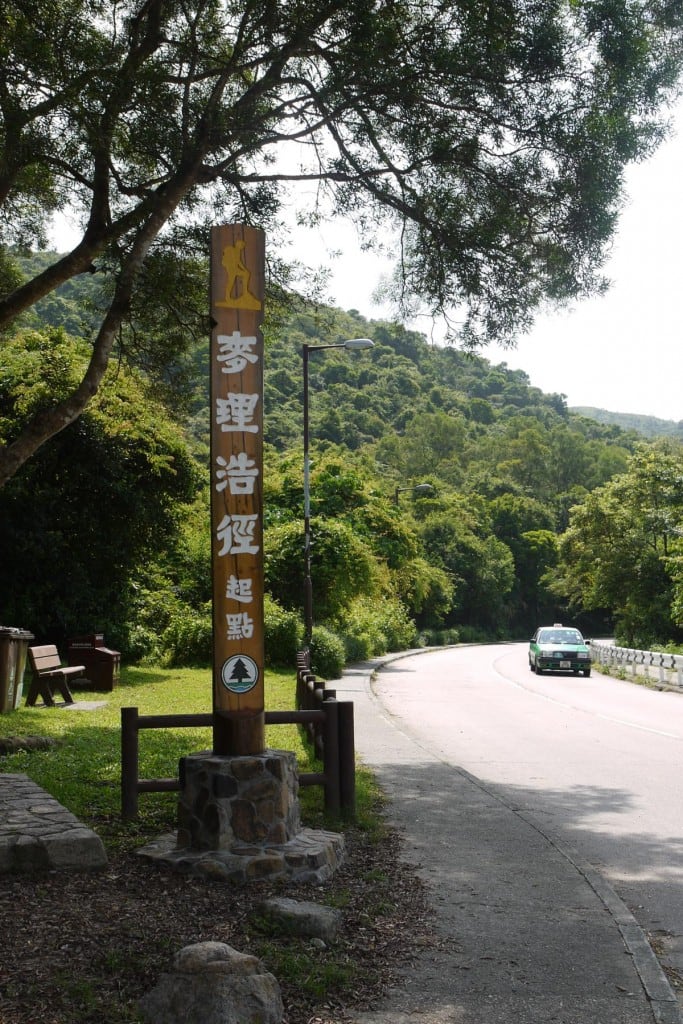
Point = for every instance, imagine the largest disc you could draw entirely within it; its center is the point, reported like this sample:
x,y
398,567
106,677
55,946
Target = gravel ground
x,y
81,948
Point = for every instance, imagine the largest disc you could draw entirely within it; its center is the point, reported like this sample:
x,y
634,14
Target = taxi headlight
x,y
583,654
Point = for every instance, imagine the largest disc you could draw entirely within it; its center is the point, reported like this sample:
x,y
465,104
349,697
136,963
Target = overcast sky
x,y
621,352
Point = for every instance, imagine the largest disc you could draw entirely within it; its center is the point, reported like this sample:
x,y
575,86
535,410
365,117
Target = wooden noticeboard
x,y
237,296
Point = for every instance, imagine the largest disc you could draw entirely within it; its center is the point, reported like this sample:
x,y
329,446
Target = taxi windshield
x,y
559,636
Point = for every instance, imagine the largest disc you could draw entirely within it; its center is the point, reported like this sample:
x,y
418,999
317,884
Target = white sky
x,y
620,352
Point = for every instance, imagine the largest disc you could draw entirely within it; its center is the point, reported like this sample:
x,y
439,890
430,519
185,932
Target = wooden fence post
x,y
330,754
129,763
347,760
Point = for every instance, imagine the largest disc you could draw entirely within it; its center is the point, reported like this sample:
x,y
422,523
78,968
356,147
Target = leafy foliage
x,y
370,628
389,557
328,656
283,634
621,550
78,525
493,137
187,640
342,565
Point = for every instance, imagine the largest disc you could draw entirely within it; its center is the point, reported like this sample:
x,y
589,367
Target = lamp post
x,y
417,489
352,343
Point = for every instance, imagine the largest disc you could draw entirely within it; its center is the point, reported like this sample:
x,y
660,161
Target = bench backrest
x,y
44,659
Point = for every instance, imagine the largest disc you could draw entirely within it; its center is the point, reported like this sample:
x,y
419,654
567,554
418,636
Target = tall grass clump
x,y
188,639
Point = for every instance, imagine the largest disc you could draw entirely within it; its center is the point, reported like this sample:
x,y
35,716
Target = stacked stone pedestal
x,y
238,820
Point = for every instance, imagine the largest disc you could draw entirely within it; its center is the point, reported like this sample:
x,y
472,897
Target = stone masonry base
x,y
312,856
38,834
238,821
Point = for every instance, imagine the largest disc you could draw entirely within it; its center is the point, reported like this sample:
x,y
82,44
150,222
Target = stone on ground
x,y
305,919
212,983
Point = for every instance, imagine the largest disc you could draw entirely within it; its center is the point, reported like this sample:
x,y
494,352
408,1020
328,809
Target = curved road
x,y
597,761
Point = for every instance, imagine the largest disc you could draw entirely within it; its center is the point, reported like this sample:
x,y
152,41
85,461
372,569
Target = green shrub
x,y
358,647
283,633
451,636
343,566
371,628
152,605
368,632
668,648
188,639
140,645
439,637
327,653
399,629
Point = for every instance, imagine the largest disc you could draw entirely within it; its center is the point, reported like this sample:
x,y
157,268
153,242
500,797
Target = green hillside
x,y
647,426
118,535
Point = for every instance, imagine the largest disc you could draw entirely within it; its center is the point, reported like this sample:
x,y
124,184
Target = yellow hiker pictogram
x,y
237,294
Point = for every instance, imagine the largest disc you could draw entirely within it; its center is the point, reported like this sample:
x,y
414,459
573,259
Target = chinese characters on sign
x,y
237,274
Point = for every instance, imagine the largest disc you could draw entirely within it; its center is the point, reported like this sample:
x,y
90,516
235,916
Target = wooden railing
x,y
331,722
311,695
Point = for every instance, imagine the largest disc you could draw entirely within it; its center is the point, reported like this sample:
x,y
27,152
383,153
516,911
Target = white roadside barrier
x,y
665,669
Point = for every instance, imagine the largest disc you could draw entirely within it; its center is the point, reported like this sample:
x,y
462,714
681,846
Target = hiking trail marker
x,y
237,298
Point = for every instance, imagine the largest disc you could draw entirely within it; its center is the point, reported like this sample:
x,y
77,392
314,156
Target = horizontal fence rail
x,y
332,722
666,669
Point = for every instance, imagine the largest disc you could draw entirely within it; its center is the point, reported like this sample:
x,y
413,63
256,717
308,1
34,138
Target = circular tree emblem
x,y
239,674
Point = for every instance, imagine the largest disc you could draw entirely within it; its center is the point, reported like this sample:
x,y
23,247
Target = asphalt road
x,y
597,761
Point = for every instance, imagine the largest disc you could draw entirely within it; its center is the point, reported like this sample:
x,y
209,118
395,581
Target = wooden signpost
x,y
237,295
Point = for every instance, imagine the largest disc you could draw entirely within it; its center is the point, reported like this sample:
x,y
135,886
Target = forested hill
x,y
648,426
423,410
504,462
412,408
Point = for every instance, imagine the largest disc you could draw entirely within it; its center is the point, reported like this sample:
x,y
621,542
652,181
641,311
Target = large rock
x,y
212,983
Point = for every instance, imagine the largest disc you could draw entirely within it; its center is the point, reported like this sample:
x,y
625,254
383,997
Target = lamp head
x,y
359,343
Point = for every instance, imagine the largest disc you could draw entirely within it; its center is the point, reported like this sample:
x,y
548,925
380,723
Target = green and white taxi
x,y
559,648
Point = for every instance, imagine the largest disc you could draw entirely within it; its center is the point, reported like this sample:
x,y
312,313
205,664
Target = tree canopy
x,y
94,516
622,549
492,135
107,528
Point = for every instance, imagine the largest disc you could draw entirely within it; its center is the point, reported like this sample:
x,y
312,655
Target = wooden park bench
x,y
49,674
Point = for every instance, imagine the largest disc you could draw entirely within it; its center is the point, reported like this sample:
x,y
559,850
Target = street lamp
x,y
352,343
417,489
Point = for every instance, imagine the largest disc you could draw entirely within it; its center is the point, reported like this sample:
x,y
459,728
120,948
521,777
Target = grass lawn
x,y
83,771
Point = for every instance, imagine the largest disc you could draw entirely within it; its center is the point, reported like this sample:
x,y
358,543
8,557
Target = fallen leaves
x,y
82,948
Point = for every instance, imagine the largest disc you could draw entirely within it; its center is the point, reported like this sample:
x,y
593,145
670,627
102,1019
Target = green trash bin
x,y
14,644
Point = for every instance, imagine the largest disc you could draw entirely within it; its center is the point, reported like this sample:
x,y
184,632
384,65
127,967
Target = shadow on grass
x,y
134,676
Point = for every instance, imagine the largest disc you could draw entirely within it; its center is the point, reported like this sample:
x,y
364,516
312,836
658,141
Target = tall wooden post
x,y
237,294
